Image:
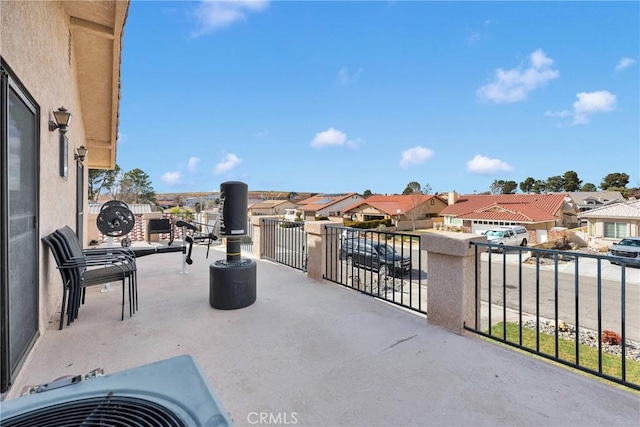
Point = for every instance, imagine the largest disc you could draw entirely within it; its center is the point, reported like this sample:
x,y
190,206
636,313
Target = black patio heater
x,y
232,282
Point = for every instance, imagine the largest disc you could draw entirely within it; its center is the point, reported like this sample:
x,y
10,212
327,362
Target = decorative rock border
x,y
586,337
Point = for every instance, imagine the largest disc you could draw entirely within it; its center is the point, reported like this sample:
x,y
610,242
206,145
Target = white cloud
x,y
473,38
562,114
589,103
215,14
415,156
625,63
515,84
346,77
229,162
482,165
329,138
355,143
172,178
193,163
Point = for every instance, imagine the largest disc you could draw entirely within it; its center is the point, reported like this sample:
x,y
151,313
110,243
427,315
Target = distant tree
x,y
427,189
571,181
412,187
555,184
509,187
496,186
101,180
617,180
181,212
539,187
292,195
589,187
526,186
501,186
135,187
367,193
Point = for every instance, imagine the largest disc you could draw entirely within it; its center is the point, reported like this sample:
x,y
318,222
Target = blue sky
x,y
347,96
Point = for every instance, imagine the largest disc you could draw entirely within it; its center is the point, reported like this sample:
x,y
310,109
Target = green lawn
x,y
611,364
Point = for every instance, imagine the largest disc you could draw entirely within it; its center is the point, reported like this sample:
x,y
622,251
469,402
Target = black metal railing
x,y
381,264
246,242
574,308
284,242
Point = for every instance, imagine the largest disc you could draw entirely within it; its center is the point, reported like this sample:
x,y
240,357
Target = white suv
x,y
521,232
627,250
510,236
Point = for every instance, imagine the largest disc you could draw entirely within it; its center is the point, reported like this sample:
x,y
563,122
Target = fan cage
x,y
116,411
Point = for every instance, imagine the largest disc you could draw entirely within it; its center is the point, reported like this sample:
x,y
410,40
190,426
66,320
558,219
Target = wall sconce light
x,y
63,117
81,152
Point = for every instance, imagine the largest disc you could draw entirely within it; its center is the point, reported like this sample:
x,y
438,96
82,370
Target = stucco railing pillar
x,y
256,242
451,269
316,248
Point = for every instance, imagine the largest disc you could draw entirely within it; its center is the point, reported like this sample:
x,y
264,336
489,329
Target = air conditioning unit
x,y
171,392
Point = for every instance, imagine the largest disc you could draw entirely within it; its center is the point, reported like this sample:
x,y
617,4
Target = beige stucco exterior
x,y
272,208
65,53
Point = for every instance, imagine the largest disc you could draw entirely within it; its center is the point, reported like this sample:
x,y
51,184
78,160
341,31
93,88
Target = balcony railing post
x,y
316,250
451,270
256,246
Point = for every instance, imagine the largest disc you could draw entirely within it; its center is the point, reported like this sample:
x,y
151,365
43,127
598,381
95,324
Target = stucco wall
x,y
35,45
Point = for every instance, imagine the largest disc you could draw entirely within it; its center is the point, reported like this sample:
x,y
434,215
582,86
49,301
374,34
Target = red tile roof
x,y
391,204
507,207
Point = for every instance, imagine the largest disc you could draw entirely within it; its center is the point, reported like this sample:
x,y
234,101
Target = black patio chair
x,y
122,258
104,256
56,250
77,275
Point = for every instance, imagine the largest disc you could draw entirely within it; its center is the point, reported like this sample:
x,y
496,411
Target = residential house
x,y
328,205
610,223
406,211
587,200
271,207
56,58
539,213
168,202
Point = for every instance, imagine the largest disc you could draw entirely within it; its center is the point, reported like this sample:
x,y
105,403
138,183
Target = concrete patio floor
x,y
330,355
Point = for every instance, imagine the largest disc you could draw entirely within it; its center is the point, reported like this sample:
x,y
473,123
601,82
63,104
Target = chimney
x,y
452,198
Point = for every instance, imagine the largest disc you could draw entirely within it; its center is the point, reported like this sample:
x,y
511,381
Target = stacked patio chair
x,y
80,269
107,255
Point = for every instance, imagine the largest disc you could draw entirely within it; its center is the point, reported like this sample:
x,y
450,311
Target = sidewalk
x,y
588,267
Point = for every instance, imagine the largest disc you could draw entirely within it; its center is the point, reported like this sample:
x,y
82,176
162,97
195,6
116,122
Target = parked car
x,y
376,256
521,232
628,249
505,236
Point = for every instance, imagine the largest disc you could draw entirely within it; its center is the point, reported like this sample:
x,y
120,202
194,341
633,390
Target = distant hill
x,y
270,195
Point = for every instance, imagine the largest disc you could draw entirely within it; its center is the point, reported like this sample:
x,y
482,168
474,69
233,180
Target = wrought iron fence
x,y
246,243
381,264
574,308
284,242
